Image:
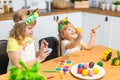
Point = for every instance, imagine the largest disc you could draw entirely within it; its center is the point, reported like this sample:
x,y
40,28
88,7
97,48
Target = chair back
x,y
3,57
53,43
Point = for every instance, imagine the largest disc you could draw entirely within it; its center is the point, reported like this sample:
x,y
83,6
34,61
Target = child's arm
x,y
90,43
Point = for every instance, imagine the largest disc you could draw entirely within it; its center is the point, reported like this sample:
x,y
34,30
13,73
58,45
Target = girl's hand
x,y
93,33
43,54
78,33
44,44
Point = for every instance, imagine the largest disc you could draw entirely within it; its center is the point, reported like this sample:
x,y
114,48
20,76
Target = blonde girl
x,y
21,41
71,39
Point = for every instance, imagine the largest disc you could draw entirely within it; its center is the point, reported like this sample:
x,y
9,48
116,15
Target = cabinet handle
x,y
57,17
54,18
106,19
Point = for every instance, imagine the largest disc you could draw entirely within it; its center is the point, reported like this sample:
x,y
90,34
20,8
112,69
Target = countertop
x,y
8,16
93,55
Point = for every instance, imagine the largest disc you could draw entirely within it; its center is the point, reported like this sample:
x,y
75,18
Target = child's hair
x,y
18,31
62,26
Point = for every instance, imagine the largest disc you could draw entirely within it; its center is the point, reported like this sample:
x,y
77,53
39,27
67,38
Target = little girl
x,y
21,42
71,39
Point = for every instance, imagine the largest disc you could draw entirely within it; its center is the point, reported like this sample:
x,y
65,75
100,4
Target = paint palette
x,y
63,66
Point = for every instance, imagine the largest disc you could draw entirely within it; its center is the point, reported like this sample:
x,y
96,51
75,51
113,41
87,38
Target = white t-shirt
x,y
68,51
27,54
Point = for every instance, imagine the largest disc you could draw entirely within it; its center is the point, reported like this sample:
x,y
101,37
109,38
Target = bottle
x,y
10,6
5,7
92,3
48,6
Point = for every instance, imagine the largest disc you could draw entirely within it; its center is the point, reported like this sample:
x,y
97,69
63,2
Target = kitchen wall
x,y
32,3
18,4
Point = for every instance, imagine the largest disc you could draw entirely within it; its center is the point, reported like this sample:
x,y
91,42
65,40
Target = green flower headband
x,y
32,16
62,22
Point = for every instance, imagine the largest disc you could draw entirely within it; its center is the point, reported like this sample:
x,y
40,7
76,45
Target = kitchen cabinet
x,y
107,34
91,20
114,32
5,27
47,26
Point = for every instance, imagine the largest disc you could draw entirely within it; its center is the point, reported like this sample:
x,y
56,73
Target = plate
x,y
95,76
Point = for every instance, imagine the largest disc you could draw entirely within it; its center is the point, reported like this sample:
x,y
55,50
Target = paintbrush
x,y
96,27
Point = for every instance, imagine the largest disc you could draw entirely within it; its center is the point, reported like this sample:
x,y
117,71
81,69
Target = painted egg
x,y
95,70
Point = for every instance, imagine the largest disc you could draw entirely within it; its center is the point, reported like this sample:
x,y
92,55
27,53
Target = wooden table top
x,y
93,55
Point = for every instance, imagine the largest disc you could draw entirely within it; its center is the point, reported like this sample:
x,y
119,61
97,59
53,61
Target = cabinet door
x,y
91,20
114,30
5,27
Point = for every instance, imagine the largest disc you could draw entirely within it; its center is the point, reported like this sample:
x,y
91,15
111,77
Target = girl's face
x,y
70,33
29,30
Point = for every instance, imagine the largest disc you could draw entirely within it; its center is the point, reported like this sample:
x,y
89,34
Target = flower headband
x,y
32,16
62,22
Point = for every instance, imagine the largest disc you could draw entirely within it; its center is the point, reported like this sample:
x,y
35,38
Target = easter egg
x,y
90,72
80,66
79,29
84,72
91,64
95,70
85,66
79,71
100,64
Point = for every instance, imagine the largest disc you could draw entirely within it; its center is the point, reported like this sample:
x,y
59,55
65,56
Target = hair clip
x,y
32,16
62,22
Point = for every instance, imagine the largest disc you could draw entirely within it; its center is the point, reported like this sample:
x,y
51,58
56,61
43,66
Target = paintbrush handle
x,y
95,28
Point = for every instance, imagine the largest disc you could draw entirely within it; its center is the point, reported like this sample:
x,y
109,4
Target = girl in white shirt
x,y
71,39
21,41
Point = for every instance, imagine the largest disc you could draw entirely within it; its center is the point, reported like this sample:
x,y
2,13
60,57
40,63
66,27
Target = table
x,y
93,55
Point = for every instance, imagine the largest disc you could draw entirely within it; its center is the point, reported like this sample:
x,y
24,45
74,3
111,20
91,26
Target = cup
x,y
113,7
103,6
107,6
118,8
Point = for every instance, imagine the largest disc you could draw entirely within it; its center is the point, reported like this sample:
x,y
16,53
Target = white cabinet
x,y
114,32
91,20
47,26
107,34
5,27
